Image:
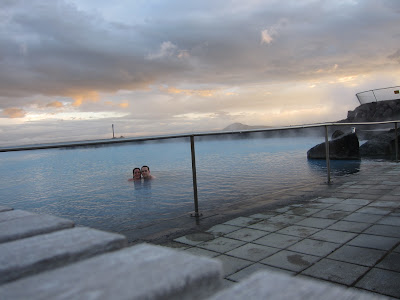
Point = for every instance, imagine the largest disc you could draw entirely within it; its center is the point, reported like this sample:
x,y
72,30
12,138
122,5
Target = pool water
x,y
90,185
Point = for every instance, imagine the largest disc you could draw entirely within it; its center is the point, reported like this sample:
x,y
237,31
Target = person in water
x,y
146,173
137,174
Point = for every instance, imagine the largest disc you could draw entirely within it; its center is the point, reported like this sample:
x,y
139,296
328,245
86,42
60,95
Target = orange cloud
x,y
14,112
55,104
122,105
91,96
189,92
266,37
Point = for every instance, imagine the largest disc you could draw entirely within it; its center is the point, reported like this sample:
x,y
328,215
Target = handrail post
x,y
396,141
196,204
328,162
374,95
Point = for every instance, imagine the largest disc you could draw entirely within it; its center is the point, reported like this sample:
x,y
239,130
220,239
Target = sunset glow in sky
x,y
71,68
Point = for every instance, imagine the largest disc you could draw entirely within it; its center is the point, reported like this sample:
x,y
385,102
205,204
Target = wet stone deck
x,y
350,237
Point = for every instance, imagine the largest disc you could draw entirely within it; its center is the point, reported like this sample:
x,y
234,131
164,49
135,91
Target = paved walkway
x,y
348,236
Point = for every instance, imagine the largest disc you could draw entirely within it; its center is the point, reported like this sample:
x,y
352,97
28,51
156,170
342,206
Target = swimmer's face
x,y
145,172
136,174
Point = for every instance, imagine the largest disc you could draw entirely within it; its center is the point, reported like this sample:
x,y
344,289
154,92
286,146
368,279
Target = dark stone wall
x,y
375,112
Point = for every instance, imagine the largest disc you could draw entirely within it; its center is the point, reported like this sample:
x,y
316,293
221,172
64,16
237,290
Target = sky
x,y
69,69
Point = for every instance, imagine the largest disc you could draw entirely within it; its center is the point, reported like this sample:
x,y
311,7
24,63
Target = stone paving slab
x,y
336,271
333,236
252,252
395,213
31,225
356,255
316,222
303,211
231,264
389,198
362,217
331,200
391,262
347,226
124,274
221,229
250,270
314,247
241,221
374,210
246,234
47,251
345,207
269,226
377,192
291,261
202,252
317,205
384,230
381,281
286,218
394,221
374,241
221,244
382,186
195,239
364,195
264,215
300,231
385,204
281,286
331,214
355,201
277,240
282,209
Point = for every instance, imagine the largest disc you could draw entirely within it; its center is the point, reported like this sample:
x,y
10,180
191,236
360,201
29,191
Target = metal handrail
x,y
395,89
184,135
200,134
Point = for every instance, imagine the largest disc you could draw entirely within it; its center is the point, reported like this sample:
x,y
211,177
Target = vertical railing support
x,y
396,141
374,95
328,161
196,204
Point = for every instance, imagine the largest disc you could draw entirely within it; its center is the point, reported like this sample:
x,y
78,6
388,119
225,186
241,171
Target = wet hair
x,y
146,167
133,171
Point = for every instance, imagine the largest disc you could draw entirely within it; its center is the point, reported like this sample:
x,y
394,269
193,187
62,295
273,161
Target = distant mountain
x,y
240,126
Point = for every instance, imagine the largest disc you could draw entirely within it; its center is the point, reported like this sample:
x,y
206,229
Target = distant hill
x,y
240,126
369,112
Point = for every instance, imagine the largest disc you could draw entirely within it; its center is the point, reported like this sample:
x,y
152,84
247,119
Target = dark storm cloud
x,y
55,48
52,48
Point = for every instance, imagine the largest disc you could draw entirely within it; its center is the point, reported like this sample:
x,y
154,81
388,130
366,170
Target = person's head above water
x,y
136,174
146,173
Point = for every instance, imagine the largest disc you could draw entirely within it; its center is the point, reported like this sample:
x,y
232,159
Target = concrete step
x,y
6,216
139,272
31,225
277,285
48,251
5,208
